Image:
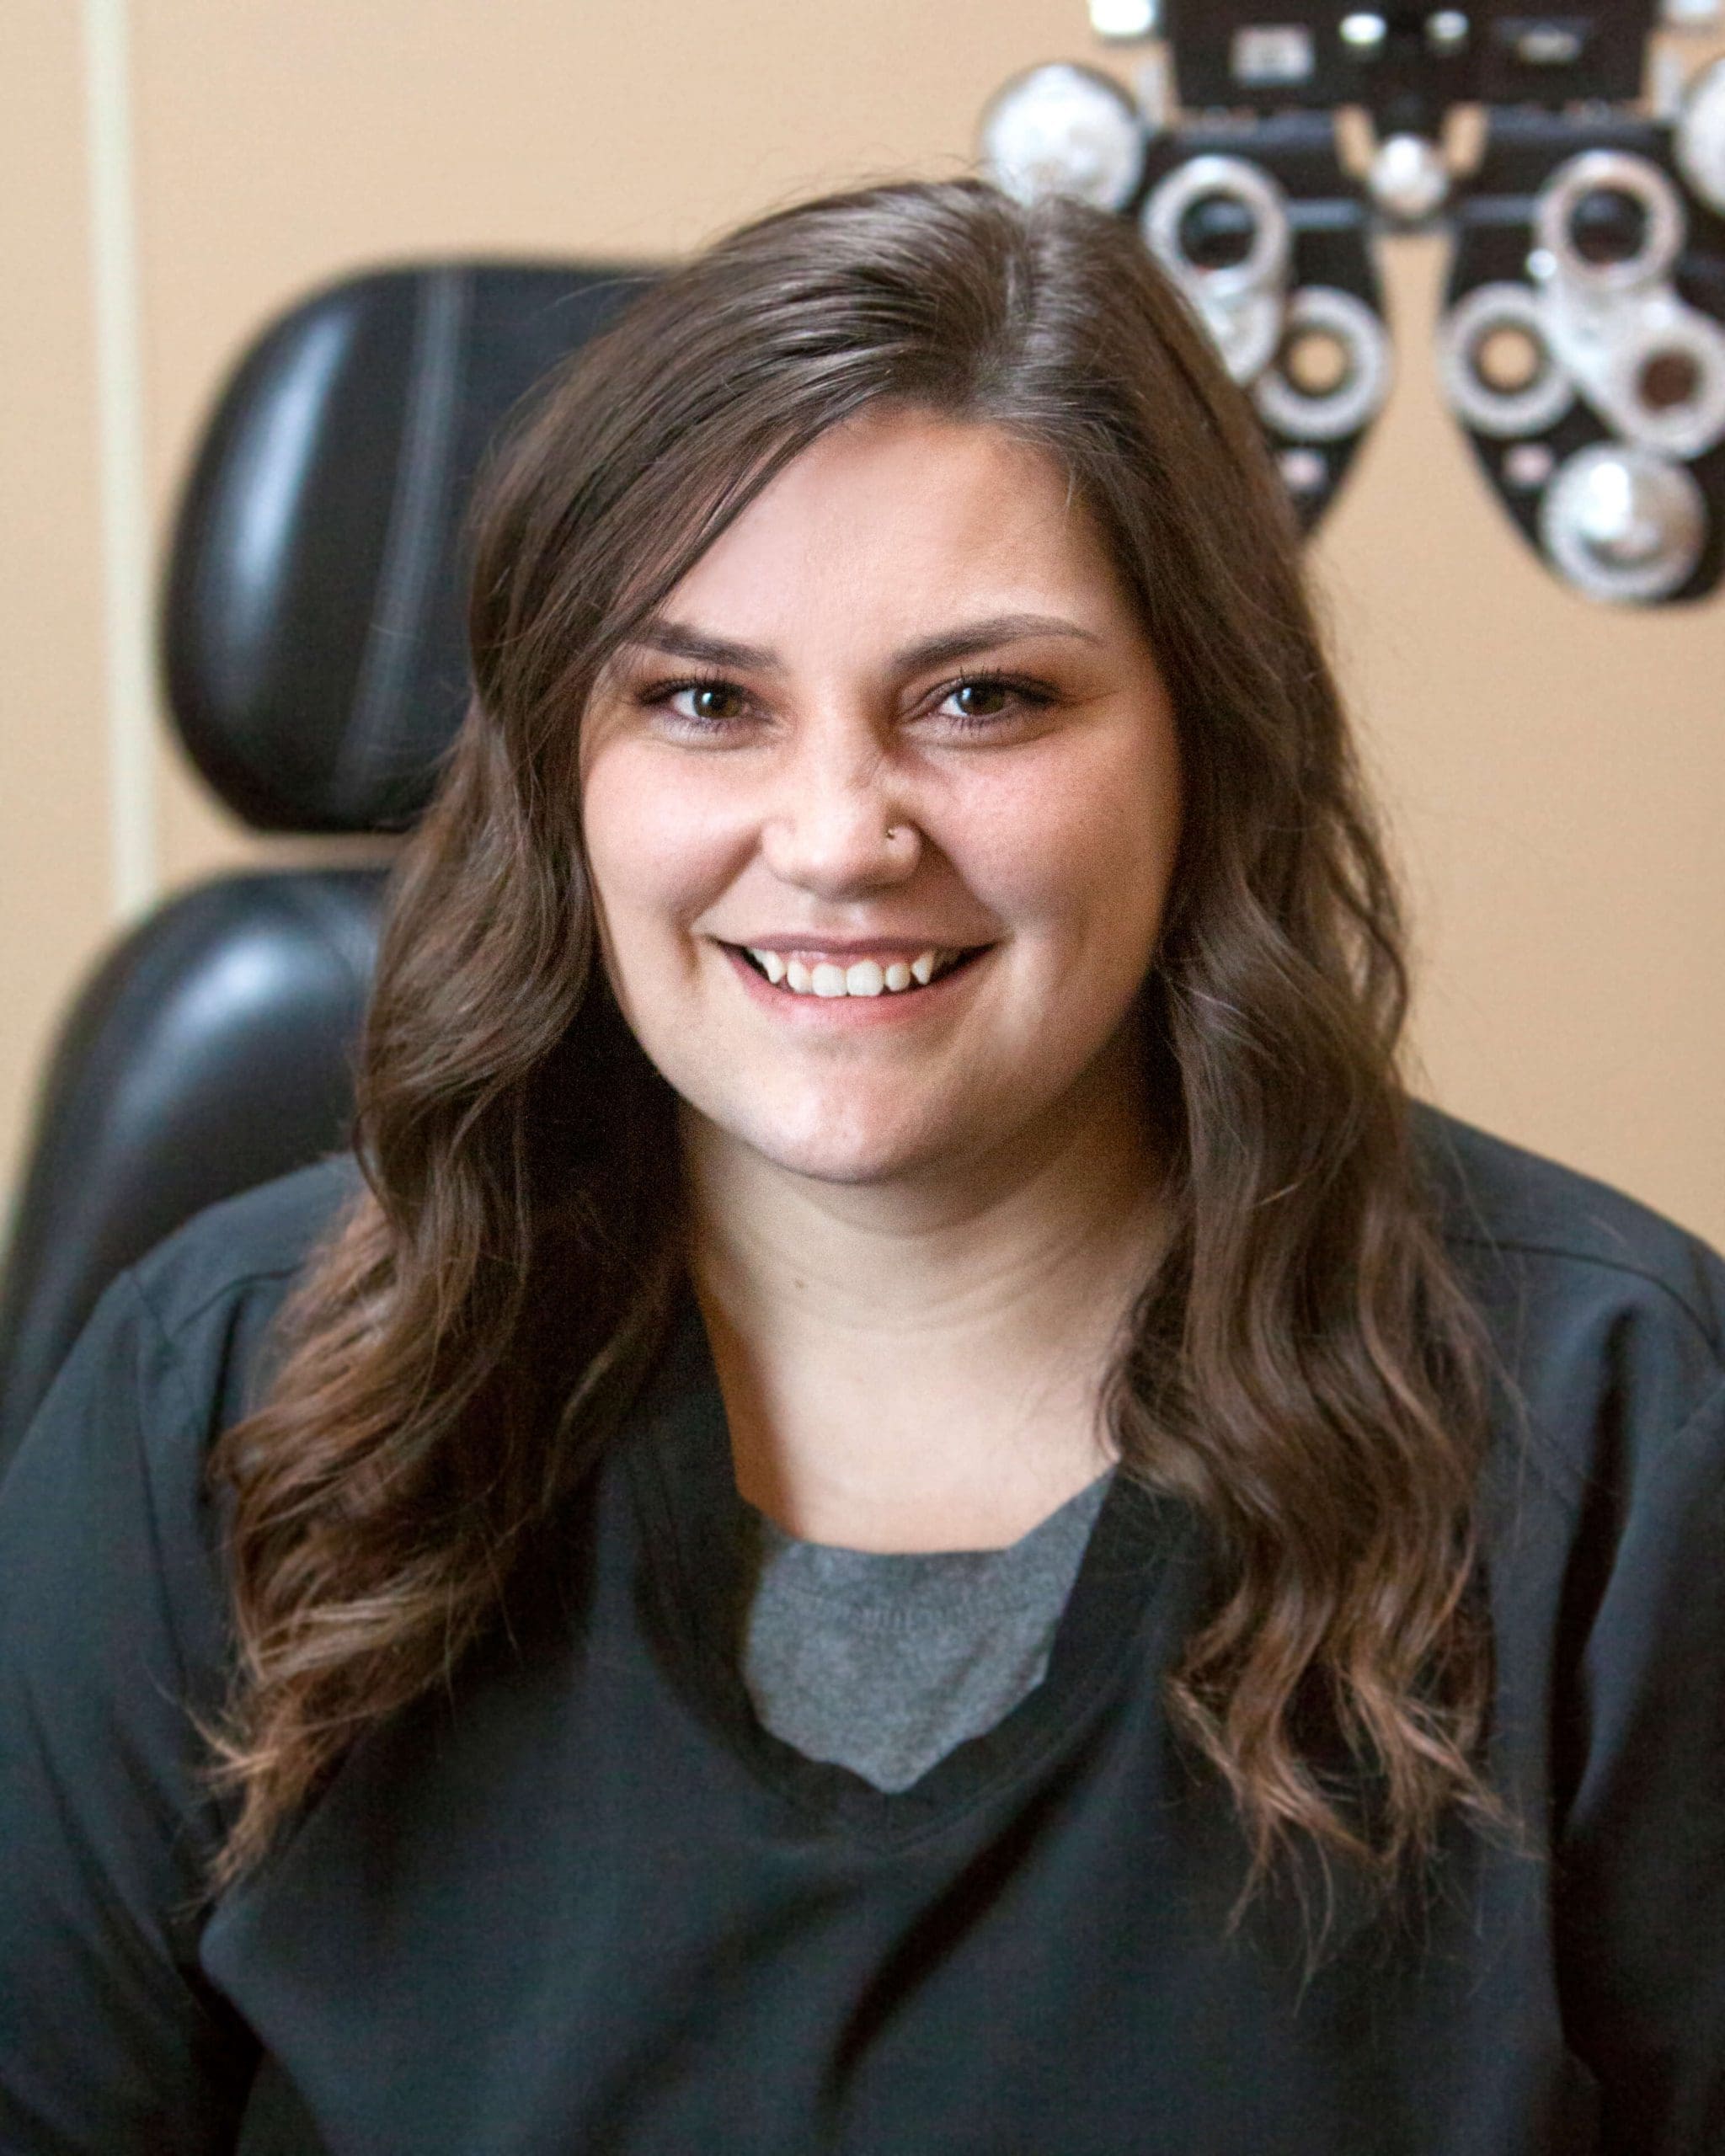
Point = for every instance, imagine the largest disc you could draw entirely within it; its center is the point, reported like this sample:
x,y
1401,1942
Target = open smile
x,y
890,973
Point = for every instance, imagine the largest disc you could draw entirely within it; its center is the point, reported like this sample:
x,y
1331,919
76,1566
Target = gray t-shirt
x,y
885,1662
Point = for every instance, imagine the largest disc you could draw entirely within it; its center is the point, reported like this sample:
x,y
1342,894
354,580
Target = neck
x,y
916,1362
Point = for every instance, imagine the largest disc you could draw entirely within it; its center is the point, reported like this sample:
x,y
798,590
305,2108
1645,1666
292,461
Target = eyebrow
x,y
679,640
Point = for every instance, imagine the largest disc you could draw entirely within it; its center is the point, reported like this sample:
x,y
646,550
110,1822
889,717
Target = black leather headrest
x,y
209,1052
314,624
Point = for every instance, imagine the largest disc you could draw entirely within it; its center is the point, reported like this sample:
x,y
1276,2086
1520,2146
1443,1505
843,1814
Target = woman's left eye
x,y
985,700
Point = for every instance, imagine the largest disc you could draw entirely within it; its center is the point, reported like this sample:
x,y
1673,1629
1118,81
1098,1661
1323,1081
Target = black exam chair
x,y
315,670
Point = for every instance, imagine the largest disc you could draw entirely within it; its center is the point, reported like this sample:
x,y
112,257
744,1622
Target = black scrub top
x,y
579,1900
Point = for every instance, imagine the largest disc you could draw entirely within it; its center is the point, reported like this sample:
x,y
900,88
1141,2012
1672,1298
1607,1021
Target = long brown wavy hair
x,y
1303,1367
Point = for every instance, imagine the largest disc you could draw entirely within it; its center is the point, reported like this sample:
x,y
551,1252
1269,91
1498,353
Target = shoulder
x,y
105,1506
1607,1317
210,1291
263,1234
1503,1201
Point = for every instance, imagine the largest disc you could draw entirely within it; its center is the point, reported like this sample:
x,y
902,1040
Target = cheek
x,y
1080,844
657,846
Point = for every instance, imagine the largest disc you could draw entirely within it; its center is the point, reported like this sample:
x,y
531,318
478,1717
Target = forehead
x,y
896,519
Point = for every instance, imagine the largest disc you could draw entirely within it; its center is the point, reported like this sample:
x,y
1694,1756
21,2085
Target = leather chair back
x,y
313,634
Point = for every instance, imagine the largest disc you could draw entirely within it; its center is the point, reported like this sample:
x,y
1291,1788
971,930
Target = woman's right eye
x,y
702,703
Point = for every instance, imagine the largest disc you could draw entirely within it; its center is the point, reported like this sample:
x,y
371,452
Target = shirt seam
x,y
188,1421
1709,1338
1666,1458
171,1333
204,1825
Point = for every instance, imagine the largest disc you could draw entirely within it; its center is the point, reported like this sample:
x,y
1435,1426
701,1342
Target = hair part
x,y
1304,1368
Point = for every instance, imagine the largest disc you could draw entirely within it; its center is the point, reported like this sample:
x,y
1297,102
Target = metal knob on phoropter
x,y
1064,130
1623,523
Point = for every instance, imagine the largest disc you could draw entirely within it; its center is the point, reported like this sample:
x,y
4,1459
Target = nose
x,y
838,829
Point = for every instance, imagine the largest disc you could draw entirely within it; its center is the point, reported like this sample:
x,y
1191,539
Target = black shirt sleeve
x,y
1638,1885
110,2039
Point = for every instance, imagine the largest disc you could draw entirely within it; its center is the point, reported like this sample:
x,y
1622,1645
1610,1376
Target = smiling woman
x,y
911,1505
925,638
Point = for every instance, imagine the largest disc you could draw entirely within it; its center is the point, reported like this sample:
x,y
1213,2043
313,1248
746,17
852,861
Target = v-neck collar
x,y
693,1521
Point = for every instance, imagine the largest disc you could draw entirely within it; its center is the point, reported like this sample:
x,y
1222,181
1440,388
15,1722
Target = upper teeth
x,y
867,977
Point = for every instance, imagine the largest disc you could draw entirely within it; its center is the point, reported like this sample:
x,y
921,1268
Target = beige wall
x,y
56,873
1555,771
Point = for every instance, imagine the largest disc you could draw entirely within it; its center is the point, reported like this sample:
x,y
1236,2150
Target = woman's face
x,y
881,808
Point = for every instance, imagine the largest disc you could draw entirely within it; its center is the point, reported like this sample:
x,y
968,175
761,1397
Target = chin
x,y
842,1143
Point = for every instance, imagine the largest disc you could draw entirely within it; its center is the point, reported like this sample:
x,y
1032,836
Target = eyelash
x,y
1027,695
